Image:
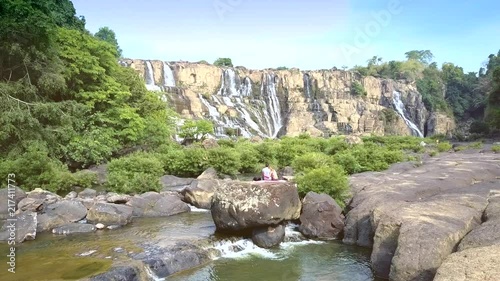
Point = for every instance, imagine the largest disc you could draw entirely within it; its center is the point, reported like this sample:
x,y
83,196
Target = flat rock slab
x,y
153,204
415,218
73,228
476,264
109,214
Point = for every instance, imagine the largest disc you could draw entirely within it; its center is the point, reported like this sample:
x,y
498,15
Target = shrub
x,y
136,173
311,161
476,145
479,127
368,157
496,148
331,180
249,160
224,160
358,89
335,145
188,162
444,146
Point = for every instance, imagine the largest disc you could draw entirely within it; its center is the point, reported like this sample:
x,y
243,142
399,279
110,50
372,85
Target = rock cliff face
x,y
271,103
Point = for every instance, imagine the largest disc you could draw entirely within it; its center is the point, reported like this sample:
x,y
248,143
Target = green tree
x,y
423,56
223,62
108,35
196,129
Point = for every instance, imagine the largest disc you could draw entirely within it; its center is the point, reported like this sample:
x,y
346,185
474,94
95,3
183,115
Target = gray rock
x,y
16,194
71,195
200,192
173,183
24,228
321,217
475,264
102,173
120,273
153,204
118,198
72,228
61,213
31,205
268,236
88,193
238,205
415,218
175,259
208,174
108,214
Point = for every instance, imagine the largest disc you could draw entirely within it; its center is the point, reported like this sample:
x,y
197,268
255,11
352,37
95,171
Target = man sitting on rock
x,y
266,173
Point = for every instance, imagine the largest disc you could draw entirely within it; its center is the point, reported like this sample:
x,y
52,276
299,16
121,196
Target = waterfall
x,y
273,104
307,85
400,108
150,78
168,76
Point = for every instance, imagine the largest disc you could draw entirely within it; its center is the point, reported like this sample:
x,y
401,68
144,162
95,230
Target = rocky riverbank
x,y
414,218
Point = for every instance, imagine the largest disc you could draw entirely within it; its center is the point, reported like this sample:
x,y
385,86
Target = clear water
x,y
73,257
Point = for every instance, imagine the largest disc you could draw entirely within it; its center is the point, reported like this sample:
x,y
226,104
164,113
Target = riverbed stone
x,y
121,273
268,236
238,205
108,214
321,217
31,205
474,264
200,192
173,183
153,204
164,262
416,217
16,194
73,228
208,174
24,228
60,213
71,195
116,198
87,193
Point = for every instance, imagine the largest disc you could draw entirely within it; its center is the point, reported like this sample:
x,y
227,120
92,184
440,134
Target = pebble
x,y
100,226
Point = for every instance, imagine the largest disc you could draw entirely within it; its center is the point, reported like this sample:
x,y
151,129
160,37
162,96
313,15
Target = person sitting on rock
x,y
274,175
266,173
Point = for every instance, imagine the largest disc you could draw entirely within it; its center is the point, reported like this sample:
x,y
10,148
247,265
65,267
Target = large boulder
x,y
24,228
475,264
110,214
200,192
116,198
15,195
268,236
87,193
488,233
321,217
415,217
153,204
129,272
60,213
238,205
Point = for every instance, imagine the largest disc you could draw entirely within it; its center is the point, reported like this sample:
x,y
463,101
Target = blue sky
x,y
313,34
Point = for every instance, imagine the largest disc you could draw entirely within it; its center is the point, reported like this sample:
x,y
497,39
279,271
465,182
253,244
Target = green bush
x,y
223,62
444,146
476,145
224,160
188,162
368,157
310,161
479,127
496,148
137,173
358,89
249,160
335,145
331,180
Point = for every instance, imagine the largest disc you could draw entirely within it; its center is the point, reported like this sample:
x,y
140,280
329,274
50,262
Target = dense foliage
x,y
66,102
447,89
223,62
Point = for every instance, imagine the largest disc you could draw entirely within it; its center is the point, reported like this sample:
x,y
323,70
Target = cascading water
x,y
150,78
261,116
307,85
400,108
168,76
